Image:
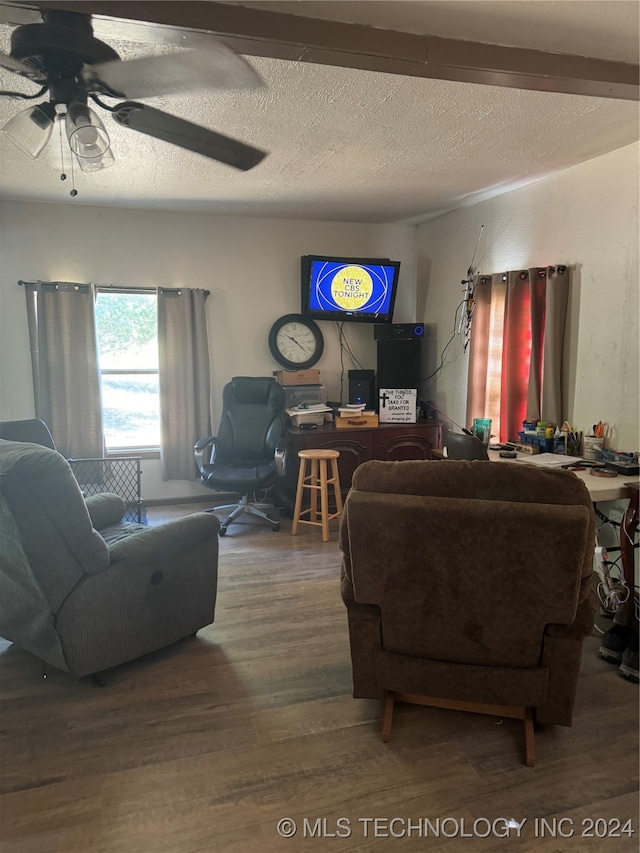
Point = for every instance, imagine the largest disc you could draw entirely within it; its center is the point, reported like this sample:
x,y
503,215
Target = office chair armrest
x,y
205,445
281,455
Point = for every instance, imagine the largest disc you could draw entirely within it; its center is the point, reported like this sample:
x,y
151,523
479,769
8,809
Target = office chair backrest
x,y
462,446
252,419
31,430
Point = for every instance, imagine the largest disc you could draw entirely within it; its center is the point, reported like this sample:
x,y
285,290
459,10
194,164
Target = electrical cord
x,y
434,375
605,519
102,104
21,96
345,346
611,598
339,331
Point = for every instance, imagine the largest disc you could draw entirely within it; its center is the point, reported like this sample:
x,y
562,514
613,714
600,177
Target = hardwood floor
x,y
206,745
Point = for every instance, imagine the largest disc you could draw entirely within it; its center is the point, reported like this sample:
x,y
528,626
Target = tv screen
x,y
355,289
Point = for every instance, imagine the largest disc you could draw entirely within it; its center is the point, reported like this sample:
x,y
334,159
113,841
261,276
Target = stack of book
x,y
355,415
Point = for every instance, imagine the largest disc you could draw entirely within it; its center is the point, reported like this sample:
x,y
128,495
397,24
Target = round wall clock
x,y
295,342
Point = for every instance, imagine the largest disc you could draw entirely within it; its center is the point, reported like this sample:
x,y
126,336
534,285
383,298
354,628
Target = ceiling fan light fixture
x,y
87,136
95,164
31,129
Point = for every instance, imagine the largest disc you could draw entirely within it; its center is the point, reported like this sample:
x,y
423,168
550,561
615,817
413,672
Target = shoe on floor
x,y
629,665
614,642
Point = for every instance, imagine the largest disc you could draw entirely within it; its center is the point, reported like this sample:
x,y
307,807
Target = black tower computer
x,y
362,387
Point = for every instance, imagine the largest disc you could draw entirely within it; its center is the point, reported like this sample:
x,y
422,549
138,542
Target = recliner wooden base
x,y
513,711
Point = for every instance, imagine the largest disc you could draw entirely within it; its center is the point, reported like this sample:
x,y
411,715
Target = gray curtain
x,y
64,361
549,300
184,379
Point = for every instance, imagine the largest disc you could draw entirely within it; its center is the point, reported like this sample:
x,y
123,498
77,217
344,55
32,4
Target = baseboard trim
x,y
215,498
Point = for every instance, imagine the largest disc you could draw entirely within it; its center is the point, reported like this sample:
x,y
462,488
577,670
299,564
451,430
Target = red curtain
x,y
516,348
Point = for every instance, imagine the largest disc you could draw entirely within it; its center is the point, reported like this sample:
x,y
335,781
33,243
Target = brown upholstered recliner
x,y
468,585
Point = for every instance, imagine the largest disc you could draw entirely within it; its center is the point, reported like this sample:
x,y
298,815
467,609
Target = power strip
x,y
602,559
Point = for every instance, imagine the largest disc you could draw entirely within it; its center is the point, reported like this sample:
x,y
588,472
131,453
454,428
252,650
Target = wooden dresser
x,y
388,442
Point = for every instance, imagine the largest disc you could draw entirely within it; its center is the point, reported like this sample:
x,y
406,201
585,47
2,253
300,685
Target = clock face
x,y
295,343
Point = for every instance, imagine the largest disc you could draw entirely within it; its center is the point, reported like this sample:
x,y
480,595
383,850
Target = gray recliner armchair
x,y
33,430
84,591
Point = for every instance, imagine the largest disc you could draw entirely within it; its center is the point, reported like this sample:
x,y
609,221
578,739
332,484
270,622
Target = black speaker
x,y
399,363
398,331
362,387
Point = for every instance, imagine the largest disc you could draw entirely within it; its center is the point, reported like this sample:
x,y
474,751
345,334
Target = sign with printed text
x,y
397,405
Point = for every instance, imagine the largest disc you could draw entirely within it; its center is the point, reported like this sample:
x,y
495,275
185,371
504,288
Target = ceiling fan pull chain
x,y
74,191
63,176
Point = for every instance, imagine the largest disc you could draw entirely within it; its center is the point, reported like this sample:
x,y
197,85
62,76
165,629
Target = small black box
x,y
362,387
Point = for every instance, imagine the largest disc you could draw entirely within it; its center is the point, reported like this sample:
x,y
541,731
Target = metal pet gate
x,y
117,474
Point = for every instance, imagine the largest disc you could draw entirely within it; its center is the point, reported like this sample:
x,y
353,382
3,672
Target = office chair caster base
x,y
275,528
222,531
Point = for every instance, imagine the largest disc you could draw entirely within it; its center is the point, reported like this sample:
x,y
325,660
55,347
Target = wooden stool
x,y
317,481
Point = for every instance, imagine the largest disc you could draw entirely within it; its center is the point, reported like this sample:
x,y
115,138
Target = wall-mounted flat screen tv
x,y
355,289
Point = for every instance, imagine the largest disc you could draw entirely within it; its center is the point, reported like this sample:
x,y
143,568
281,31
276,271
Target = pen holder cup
x,y
482,429
589,445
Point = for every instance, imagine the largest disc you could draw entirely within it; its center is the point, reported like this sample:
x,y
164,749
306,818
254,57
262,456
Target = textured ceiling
x,y
351,145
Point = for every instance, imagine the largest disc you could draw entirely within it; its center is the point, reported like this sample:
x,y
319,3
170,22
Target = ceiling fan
x,y
71,66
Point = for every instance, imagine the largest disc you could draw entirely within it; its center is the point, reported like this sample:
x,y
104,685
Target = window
x,y
127,332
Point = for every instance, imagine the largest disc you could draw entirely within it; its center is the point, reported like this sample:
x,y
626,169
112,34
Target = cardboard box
x,y
297,377
530,449
357,420
398,405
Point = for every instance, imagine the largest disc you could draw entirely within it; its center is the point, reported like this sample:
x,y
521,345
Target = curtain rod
x,y
114,288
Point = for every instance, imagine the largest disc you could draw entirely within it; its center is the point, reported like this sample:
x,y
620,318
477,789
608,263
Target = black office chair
x,y
462,446
249,453
31,430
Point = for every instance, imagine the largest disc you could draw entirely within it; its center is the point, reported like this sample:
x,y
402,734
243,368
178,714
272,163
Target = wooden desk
x,y
387,442
600,488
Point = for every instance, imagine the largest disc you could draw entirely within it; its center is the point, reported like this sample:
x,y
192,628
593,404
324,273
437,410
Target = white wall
x,y
585,217
251,267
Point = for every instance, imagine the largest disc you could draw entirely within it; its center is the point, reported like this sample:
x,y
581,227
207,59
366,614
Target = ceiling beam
x,y
256,32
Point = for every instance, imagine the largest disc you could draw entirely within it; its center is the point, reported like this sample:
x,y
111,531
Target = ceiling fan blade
x,y
20,68
185,134
218,67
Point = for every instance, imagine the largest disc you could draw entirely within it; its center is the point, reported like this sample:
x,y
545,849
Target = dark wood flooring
x,y
206,745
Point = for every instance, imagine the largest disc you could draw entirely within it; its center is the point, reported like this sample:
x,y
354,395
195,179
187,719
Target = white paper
x,y
551,460
397,405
